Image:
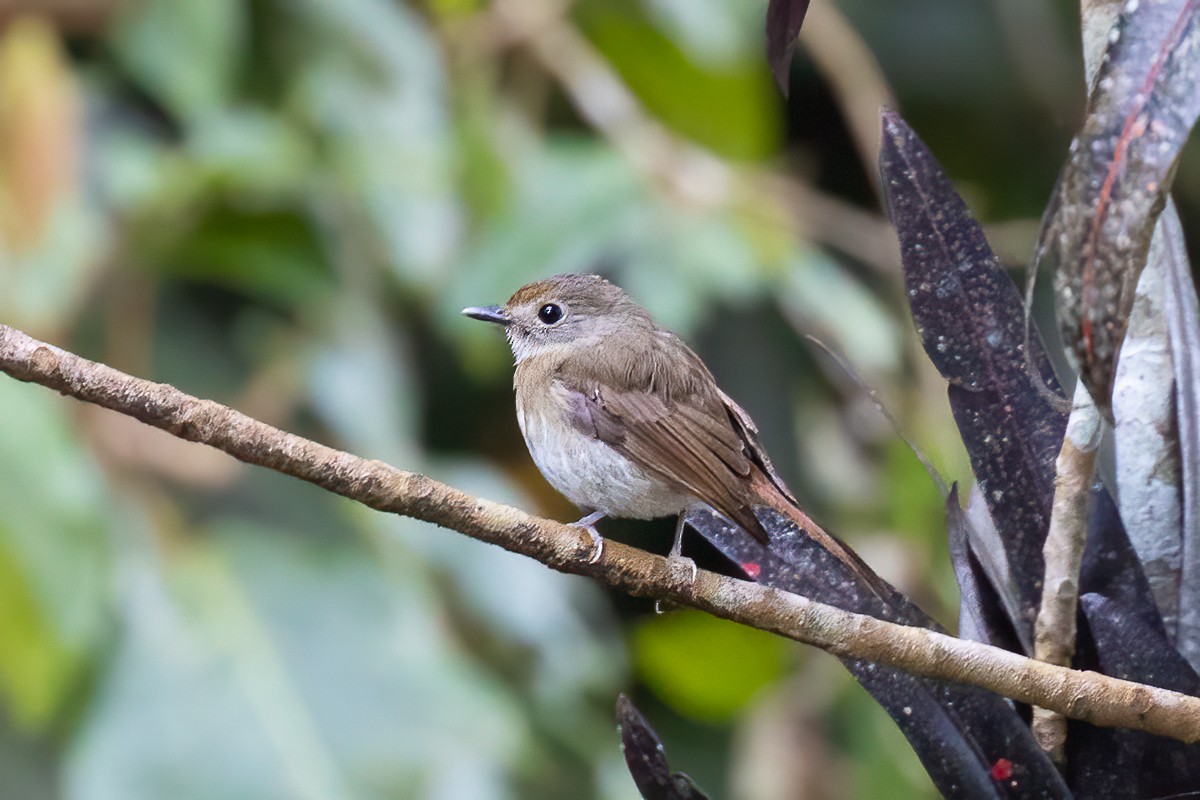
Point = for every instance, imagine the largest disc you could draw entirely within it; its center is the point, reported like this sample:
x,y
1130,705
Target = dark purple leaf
x,y
1112,575
784,18
1110,569
1154,766
646,759
795,560
960,734
1132,651
1124,636
1100,762
1096,233
971,320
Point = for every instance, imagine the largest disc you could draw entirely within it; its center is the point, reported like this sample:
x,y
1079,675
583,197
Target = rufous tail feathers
x,y
768,494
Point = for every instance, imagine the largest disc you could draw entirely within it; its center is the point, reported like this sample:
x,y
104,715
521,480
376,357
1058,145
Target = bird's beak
x,y
495,314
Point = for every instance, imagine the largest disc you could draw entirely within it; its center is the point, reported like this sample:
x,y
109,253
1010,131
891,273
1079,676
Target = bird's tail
x,y
767,493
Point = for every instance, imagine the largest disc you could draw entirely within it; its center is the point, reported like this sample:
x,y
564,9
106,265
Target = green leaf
x,y
486,180
912,502
269,254
706,668
711,32
53,554
575,203
36,668
186,53
253,152
302,668
729,107
885,765
374,87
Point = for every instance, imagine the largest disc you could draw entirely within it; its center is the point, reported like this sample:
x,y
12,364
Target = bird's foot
x,y
588,526
663,605
683,562
677,561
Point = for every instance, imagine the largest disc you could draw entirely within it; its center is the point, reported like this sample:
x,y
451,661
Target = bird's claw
x,y
684,561
588,526
676,561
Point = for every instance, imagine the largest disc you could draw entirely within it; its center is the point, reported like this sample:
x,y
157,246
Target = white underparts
x,y
590,473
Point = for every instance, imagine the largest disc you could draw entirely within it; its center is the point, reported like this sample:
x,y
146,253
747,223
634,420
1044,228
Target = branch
x,y
1088,696
1054,629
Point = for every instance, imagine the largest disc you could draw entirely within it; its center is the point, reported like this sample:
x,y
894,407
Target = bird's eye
x,y
550,313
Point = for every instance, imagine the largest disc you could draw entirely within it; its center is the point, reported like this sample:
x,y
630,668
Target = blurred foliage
x,y
283,206
708,668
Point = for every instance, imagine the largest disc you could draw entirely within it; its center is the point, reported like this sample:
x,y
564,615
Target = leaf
x,y
1183,318
682,91
361,383
1147,451
1125,638
981,617
820,295
1111,571
971,320
987,547
54,555
1096,232
273,256
1100,761
647,760
184,53
784,18
738,663
712,32
50,239
959,733
1163,767
37,668
374,87
579,206
253,153
303,666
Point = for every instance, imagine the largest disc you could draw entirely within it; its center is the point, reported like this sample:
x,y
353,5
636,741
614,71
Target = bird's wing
x,y
748,433
709,441
690,441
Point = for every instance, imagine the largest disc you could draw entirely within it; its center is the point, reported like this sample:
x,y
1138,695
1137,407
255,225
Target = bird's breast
x,y
585,470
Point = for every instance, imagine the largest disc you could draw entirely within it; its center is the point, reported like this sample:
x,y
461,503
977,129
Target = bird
x,y
626,421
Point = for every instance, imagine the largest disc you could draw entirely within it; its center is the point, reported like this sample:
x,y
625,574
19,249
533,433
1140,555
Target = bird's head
x,y
562,313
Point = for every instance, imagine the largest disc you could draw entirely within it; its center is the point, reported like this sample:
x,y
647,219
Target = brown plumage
x,y
622,417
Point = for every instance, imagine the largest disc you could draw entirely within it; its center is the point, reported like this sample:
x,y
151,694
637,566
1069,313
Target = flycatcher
x,y
626,421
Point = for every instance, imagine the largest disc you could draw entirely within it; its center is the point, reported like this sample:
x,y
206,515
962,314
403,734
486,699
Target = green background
x,y
283,204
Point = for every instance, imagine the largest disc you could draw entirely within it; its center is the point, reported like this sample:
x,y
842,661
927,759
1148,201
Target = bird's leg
x,y
588,524
676,553
676,556
677,543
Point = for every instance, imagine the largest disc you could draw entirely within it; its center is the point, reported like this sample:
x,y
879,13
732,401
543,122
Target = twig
x,y
1088,696
1054,631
